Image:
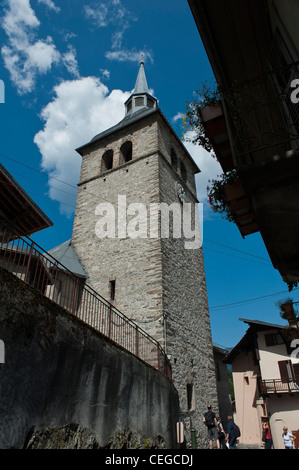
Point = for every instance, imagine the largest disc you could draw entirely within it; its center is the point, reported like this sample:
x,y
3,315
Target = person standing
x,y
267,434
221,434
231,438
288,439
212,427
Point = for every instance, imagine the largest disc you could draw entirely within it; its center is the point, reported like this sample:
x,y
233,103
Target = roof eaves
x,y
26,196
128,120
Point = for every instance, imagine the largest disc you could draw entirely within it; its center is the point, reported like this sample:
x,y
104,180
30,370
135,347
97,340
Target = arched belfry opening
x,y
107,161
126,152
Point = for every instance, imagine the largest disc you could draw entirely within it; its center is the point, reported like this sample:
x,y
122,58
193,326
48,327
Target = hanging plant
x,y
286,308
216,194
207,95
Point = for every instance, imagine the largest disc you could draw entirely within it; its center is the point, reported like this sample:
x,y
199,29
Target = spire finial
x,y
141,97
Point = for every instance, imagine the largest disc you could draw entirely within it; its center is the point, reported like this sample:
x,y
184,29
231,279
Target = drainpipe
x,y
193,439
193,436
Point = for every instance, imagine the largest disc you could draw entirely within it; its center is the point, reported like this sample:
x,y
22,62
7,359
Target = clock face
x,y
181,192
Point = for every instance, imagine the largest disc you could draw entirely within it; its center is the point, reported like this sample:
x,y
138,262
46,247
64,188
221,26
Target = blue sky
x,y
68,66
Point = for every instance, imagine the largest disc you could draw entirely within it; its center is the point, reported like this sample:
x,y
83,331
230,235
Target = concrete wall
x,y
60,372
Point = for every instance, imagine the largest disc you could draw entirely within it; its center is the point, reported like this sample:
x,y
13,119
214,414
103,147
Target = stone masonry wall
x,y
185,306
63,385
159,283
134,264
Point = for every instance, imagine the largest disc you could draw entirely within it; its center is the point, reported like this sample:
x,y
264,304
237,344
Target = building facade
x,y
265,369
136,234
253,48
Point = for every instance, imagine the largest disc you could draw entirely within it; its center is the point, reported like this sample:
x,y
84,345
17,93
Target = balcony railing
x,y
28,261
262,120
277,386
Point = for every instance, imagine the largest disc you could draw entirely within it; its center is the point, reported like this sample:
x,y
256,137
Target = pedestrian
x,y
212,427
221,434
231,438
288,438
267,435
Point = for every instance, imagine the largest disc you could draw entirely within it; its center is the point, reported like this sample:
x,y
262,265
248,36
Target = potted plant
x,y
206,106
286,308
217,194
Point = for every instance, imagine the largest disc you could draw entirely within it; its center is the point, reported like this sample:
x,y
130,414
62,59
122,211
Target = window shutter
x,y
296,373
283,367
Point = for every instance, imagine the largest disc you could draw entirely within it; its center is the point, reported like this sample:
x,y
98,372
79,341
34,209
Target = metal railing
x,y
279,386
30,263
261,117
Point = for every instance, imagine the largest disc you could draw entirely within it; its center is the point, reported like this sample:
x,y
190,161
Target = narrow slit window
x,y
183,172
190,397
112,289
174,160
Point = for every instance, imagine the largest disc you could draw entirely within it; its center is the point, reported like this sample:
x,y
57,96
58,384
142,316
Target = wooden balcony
x,y
278,387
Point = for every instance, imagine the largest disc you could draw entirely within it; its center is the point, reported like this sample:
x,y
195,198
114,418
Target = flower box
x,y
211,111
234,190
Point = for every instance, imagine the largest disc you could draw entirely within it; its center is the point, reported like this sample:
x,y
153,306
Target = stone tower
x,y
130,174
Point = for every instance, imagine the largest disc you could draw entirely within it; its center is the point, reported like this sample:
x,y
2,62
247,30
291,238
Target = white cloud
x,y
178,116
128,56
19,13
105,73
50,4
41,55
70,61
209,166
114,13
25,56
80,109
98,15
103,13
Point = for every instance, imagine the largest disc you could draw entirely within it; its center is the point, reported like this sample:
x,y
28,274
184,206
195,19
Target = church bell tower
x,y
146,265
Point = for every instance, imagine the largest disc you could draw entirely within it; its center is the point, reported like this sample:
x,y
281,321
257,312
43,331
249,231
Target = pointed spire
x,y
141,83
141,97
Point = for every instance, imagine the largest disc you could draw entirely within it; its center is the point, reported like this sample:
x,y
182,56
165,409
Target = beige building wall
x,y
284,411
270,356
248,415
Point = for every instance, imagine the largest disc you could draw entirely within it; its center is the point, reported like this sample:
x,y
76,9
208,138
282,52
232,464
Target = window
x,y
183,172
190,397
273,339
174,160
107,161
139,101
126,152
150,103
296,373
112,289
129,106
286,370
